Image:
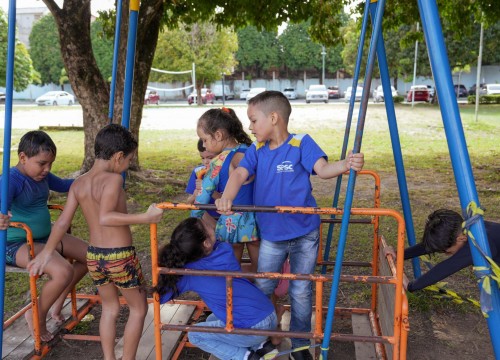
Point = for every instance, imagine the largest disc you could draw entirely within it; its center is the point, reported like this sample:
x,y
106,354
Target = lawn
x,y
168,156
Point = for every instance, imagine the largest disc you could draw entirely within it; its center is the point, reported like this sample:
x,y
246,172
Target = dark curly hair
x,y
224,119
186,245
442,228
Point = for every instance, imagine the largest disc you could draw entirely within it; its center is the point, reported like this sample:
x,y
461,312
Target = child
x,y
193,246
443,233
29,184
222,133
282,163
111,258
194,184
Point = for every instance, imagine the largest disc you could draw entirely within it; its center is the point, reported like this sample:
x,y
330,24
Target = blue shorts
x,y
12,248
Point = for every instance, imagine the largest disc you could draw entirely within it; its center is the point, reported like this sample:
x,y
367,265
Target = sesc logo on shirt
x,y
285,166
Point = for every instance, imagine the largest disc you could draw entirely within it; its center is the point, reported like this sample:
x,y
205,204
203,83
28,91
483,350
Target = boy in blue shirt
x,y
282,164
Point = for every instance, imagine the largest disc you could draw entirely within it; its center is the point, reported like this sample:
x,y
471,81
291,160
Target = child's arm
x,y
60,227
327,170
113,201
237,178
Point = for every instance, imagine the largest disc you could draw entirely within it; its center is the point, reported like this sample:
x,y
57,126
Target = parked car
x,y
359,93
492,89
317,93
378,93
244,93
228,93
253,92
421,93
334,92
207,96
290,93
482,89
151,97
55,98
460,90
2,98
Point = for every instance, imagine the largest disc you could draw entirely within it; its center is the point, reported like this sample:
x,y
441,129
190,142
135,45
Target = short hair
x,y
269,101
34,142
114,138
442,228
201,148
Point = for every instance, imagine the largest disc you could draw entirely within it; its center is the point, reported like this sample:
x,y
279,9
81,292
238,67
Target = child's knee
x,y
63,273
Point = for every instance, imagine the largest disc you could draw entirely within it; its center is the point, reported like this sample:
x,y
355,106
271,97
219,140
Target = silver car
x,y
317,93
55,98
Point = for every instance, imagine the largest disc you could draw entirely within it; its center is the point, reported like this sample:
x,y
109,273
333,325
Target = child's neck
x,y
229,144
278,138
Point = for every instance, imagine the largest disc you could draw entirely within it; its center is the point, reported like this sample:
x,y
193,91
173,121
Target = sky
x,y
95,4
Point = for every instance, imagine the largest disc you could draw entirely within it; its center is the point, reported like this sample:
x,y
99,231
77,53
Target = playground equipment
x,y
457,148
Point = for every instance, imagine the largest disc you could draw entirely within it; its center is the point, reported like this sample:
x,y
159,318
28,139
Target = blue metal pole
x,y
11,48
377,28
326,254
396,145
115,59
458,152
129,67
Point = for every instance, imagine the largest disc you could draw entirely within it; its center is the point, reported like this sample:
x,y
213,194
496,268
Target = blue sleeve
x,y
58,184
15,186
249,161
310,152
451,265
191,185
415,251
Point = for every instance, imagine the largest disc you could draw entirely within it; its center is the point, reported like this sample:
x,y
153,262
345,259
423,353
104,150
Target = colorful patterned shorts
x,y
119,266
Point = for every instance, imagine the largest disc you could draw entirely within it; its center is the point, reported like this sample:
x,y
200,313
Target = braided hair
x,y
227,121
186,245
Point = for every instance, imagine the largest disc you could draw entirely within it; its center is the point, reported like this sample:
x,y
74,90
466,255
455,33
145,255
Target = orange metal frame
x,y
41,349
397,340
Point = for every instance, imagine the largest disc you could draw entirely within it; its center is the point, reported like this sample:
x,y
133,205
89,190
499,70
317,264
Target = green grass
x,y
168,157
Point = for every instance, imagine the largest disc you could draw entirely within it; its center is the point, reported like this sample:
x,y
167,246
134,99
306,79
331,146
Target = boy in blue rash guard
x,y
443,233
282,164
193,246
29,184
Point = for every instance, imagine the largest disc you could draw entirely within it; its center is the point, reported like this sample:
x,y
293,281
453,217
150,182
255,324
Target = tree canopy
x,y
23,69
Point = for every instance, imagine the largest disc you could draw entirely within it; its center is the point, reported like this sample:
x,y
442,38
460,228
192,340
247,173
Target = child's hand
x,y
5,221
198,186
37,265
355,161
216,195
224,206
154,213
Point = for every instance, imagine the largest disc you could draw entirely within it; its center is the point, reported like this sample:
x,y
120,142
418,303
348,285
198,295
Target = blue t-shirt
x,y
191,187
282,178
27,202
250,305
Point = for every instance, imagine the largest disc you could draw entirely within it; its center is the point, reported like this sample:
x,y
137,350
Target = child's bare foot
x,y
58,318
45,335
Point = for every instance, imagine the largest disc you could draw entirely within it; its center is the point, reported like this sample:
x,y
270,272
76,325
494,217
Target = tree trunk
x,y
87,82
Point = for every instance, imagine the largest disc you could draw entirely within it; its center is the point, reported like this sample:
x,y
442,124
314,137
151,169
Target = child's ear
x,y
22,157
218,135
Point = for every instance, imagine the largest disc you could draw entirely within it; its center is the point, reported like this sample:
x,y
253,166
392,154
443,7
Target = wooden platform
x,y
17,340
170,313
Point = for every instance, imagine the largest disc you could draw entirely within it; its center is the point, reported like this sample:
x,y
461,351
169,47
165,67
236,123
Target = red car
x,y
333,92
421,93
207,96
151,97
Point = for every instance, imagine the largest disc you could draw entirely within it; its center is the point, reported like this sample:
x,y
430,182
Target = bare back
x,y
101,196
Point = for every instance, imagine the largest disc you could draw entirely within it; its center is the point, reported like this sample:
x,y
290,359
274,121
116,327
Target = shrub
x,y
484,99
398,99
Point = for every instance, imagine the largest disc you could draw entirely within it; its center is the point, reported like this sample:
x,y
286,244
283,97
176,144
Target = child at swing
x,y
111,258
282,164
222,133
29,184
193,246
194,183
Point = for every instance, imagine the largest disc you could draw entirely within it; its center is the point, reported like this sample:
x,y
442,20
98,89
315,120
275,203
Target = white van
x,y
228,93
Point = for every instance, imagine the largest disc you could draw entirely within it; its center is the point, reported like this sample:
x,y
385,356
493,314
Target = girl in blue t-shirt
x,y
222,133
193,246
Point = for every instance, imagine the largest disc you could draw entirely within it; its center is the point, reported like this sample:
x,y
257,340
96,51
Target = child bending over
x,y
29,184
111,258
193,246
